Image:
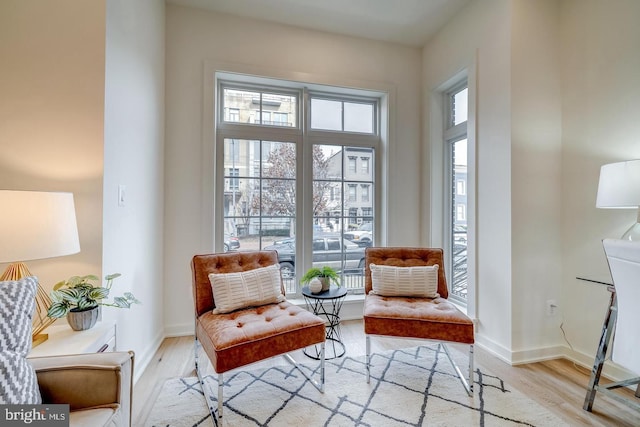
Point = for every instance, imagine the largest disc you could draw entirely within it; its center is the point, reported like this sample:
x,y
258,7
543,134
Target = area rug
x,y
409,387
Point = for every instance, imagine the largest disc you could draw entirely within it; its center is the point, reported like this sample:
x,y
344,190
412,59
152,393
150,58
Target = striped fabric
x,y
232,291
18,384
391,281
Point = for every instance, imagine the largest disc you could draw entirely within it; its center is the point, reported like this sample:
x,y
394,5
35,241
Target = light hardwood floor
x,y
559,385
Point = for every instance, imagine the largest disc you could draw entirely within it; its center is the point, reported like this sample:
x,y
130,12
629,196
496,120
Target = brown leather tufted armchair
x,y
411,317
252,334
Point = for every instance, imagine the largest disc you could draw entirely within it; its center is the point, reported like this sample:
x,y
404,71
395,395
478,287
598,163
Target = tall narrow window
x,y
234,115
352,164
352,192
456,227
365,192
365,165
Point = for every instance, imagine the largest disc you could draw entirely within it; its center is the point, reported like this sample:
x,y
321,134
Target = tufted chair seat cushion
x,y
434,319
426,318
245,336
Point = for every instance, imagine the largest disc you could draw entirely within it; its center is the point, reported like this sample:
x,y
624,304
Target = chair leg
x,y
207,396
220,401
317,384
367,358
471,369
468,386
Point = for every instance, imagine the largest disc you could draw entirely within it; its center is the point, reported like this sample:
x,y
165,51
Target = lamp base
x,y
633,233
15,271
41,321
38,339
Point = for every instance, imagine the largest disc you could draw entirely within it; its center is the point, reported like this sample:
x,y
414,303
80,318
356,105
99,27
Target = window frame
x,y
304,141
452,134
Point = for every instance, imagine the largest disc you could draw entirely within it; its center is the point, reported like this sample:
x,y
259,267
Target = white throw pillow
x,y
18,383
232,291
392,281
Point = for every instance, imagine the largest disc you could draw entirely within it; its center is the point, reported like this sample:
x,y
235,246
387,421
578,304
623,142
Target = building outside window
x,y
234,182
352,164
364,164
352,193
280,119
364,191
263,117
234,115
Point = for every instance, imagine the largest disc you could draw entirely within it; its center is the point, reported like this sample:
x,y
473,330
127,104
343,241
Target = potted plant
x,y
325,274
79,300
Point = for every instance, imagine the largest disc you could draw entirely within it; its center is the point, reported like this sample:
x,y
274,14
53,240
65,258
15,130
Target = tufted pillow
x,y
18,383
392,281
250,288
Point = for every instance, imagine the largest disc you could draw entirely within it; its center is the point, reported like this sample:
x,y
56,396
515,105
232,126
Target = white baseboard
x,y
537,354
179,330
611,370
493,347
142,360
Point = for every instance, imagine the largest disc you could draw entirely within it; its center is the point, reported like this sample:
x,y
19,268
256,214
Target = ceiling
x,y
408,22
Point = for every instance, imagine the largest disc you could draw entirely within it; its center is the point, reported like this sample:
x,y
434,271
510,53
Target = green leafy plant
x,y
79,294
325,271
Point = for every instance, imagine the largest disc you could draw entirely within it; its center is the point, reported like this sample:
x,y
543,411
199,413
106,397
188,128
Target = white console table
x,y
64,340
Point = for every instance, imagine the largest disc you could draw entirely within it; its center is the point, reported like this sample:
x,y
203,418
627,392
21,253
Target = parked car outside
x,y
362,236
327,250
231,243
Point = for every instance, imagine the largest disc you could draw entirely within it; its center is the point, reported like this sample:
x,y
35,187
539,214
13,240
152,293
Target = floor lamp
x,y
619,188
36,225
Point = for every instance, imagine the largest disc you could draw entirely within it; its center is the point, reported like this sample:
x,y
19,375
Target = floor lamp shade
x,y
36,225
619,188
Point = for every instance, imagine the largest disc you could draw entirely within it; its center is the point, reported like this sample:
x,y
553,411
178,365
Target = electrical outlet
x,y
552,307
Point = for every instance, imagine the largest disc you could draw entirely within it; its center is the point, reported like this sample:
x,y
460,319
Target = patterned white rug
x,y
409,387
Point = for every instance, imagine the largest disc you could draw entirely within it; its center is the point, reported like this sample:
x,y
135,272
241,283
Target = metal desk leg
x,y
605,339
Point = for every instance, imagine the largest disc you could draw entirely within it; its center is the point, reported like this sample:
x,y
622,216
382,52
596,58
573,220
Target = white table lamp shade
x,y
619,186
36,225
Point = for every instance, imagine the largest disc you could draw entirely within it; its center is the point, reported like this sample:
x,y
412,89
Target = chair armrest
x,y
87,380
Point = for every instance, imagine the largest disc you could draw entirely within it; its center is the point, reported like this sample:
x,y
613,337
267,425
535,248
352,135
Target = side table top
x,y
333,293
64,340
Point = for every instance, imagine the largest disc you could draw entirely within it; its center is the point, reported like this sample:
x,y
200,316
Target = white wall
x,y
478,36
536,174
51,115
600,110
195,36
558,85
134,157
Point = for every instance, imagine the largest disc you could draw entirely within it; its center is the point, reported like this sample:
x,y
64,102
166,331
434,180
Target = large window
x,y
456,187
322,216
